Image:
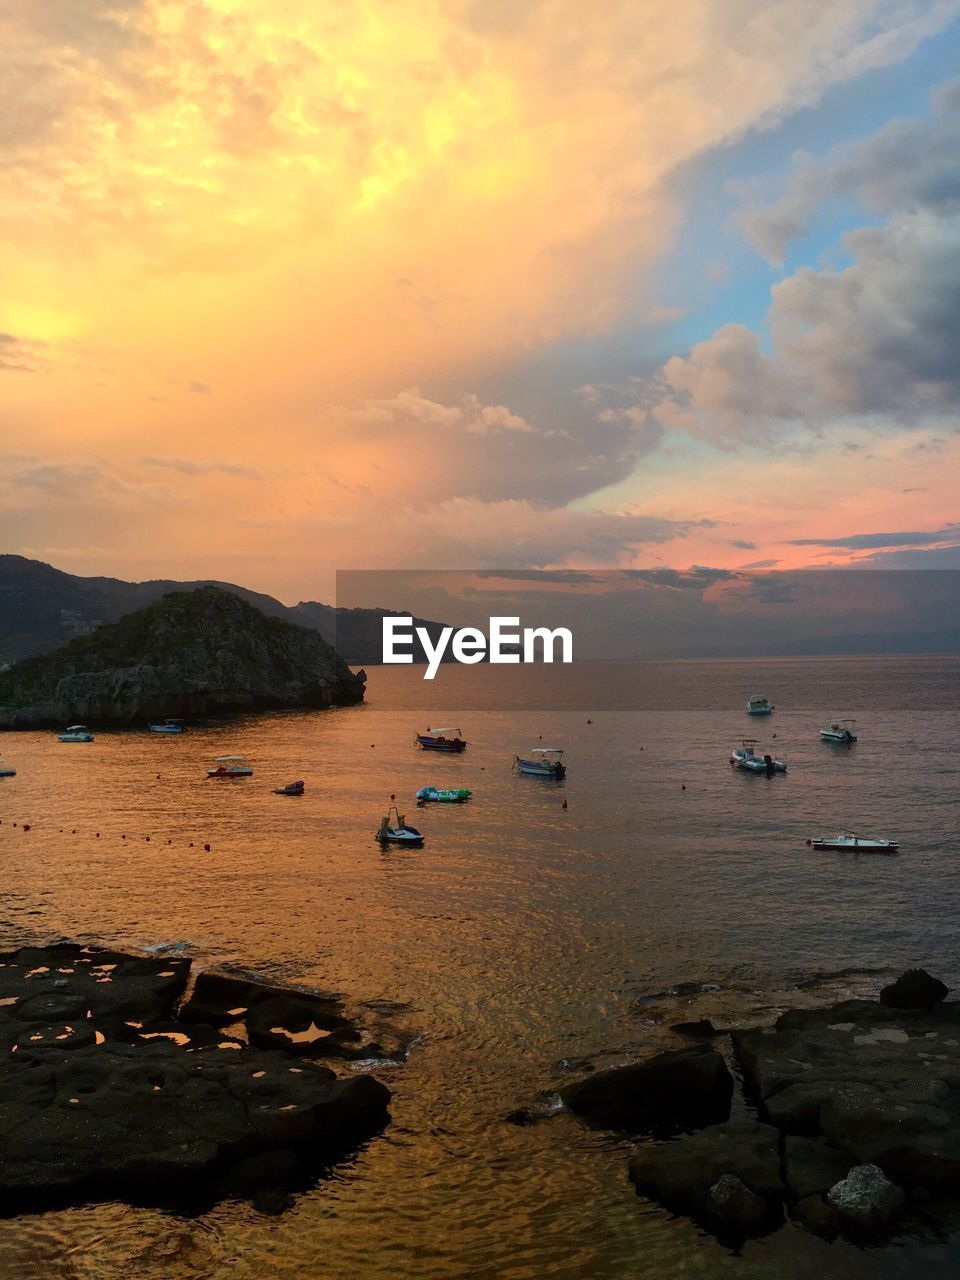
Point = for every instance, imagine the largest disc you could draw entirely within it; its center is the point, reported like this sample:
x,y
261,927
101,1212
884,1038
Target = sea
x,y
544,928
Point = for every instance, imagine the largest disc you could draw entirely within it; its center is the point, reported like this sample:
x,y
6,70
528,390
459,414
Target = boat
x,y
75,733
230,767
168,726
291,789
850,842
442,740
547,763
443,795
758,705
397,832
839,731
746,758
6,771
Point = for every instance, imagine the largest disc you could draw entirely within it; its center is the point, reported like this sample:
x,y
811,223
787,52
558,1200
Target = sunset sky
x,y
296,287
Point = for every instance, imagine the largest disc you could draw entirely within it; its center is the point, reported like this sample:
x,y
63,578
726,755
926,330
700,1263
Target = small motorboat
x,y
746,758
849,842
442,740
397,831
443,795
291,789
758,705
547,762
75,733
168,726
840,731
7,772
230,767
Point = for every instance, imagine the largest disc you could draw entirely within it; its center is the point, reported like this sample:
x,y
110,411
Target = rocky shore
x,y
121,1078
849,1119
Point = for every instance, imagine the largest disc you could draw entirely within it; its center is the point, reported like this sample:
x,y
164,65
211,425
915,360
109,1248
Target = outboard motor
x,y
768,761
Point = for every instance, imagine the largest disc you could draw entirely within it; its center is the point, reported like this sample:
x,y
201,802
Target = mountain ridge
x,y
42,608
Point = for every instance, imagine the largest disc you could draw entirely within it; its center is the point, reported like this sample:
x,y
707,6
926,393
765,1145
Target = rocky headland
x,y
120,1076
191,654
848,1120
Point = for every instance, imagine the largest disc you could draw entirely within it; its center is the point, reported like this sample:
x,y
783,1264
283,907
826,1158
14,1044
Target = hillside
x,y
42,608
191,653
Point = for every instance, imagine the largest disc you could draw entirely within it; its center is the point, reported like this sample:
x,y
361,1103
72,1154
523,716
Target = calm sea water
x,y
523,937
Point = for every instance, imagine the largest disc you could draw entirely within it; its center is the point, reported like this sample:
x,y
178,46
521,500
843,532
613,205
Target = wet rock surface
x,y
107,1090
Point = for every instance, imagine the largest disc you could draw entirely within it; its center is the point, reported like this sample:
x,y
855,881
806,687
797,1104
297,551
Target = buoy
x,y
683,786
98,835
123,837
564,805
147,838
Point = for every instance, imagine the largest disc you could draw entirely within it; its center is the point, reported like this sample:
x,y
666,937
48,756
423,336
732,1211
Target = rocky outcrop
x,y
858,1130
106,1091
676,1090
191,654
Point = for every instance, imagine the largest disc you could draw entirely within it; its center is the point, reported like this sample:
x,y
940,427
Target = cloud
x,y
190,467
17,356
907,165
866,541
473,449
874,341
518,534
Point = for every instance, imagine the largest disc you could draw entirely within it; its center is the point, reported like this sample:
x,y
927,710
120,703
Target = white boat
x,y
230,767
75,733
758,705
746,758
839,731
849,842
397,831
168,726
547,762
6,771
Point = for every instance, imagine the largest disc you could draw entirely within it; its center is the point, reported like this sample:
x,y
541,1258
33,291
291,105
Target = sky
x,y
291,288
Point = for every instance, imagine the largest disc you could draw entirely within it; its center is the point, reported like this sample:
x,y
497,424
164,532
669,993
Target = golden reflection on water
x,y
517,940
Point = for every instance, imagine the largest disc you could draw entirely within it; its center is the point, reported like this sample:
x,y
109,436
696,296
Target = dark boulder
x,y
682,1174
914,989
675,1090
866,1200
735,1210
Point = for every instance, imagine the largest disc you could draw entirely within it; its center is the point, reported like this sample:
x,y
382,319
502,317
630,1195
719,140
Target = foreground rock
x,y
685,1089
192,653
858,1128
104,1090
